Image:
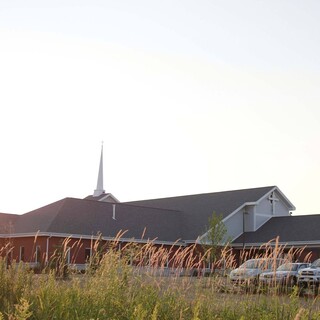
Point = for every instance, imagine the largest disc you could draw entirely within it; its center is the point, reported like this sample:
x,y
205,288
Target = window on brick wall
x,y
68,255
38,254
87,254
21,254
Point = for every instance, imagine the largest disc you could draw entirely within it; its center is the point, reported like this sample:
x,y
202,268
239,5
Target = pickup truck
x,y
250,270
310,277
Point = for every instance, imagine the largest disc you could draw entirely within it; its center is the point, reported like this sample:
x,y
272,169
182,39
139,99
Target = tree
x,y
215,238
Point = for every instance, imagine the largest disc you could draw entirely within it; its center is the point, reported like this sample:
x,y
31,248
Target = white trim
x,y
288,243
199,239
227,218
90,254
87,237
47,250
270,217
241,233
20,255
109,195
36,254
254,217
68,252
238,209
291,207
192,241
223,221
286,199
114,211
241,207
268,194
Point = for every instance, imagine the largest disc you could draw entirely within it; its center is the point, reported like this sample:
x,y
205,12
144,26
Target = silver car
x,y
285,275
250,271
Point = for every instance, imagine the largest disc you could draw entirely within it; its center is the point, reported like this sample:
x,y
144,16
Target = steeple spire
x,y
99,190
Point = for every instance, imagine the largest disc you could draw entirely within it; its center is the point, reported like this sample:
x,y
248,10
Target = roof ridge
x,y
47,205
140,206
204,193
125,204
63,202
10,214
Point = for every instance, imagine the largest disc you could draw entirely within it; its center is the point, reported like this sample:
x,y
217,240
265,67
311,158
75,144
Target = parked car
x,y
250,270
284,275
310,276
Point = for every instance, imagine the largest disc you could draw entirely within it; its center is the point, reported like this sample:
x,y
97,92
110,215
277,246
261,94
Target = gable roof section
x,y
7,222
198,208
91,197
103,197
87,217
39,219
290,229
167,219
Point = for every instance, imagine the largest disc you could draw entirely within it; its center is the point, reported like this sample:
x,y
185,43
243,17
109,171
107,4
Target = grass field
x,y
115,290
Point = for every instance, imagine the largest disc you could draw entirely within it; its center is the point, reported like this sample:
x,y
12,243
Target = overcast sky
x,y
188,97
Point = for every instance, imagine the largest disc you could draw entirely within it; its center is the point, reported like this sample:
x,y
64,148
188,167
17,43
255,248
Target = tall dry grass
x,y
145,282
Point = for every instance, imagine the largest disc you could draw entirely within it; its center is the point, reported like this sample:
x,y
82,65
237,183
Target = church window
x,y
21,254
87,254
37,254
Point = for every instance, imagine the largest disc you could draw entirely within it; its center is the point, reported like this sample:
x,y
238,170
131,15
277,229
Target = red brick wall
x,y
77,248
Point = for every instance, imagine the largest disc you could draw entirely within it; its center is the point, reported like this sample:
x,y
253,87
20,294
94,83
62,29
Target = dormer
x,y
252,215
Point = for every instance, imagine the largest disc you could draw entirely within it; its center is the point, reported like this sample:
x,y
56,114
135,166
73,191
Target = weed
x,y
143,282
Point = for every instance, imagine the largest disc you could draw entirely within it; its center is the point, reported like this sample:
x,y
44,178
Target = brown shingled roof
x,y
300,228
199,207
167,219
7,222
87,217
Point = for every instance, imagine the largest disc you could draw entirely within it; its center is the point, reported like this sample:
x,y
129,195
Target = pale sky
x,y
188,97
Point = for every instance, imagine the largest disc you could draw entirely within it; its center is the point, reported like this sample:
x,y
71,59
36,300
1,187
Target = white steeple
x,y
99,190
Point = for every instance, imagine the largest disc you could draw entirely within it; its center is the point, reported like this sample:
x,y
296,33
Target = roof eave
x,y
91,237
282,243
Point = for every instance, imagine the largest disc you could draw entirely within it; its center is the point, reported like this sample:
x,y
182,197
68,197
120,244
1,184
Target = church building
x,y
252,217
